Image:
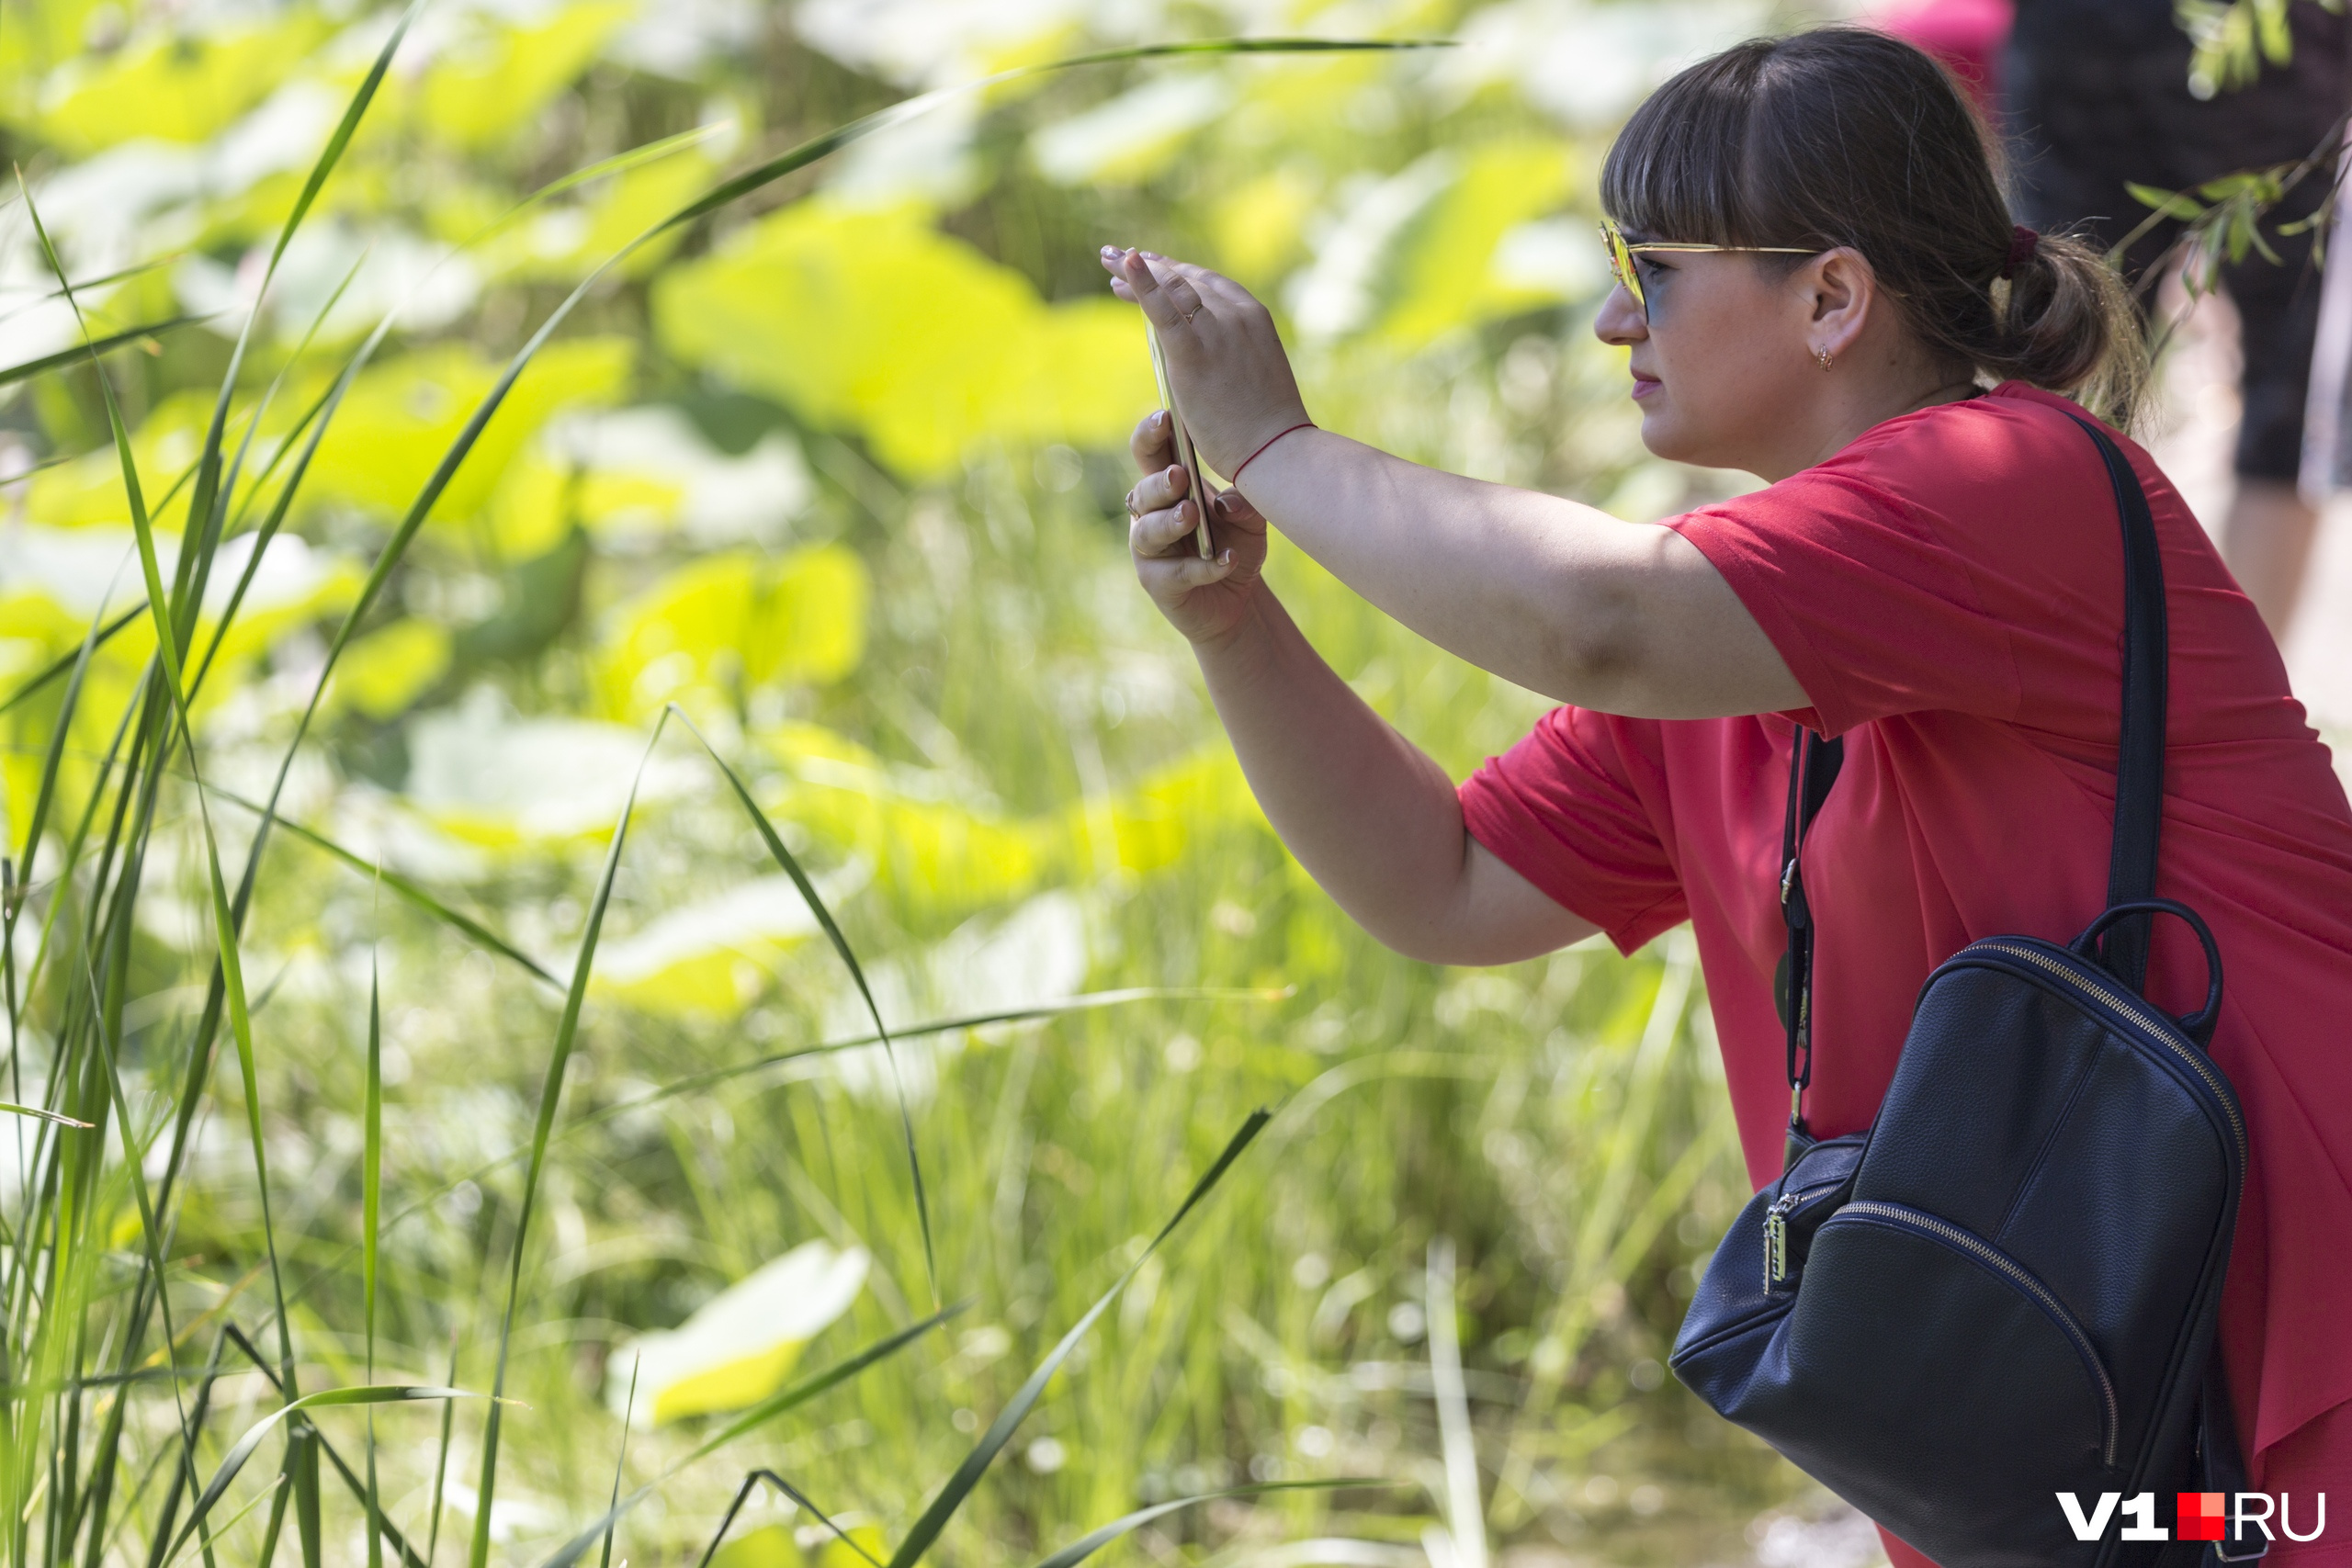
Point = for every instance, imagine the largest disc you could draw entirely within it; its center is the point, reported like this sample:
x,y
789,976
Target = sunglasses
x,y
1622,254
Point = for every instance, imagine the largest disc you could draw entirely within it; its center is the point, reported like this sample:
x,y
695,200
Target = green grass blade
x,y
406,888
441,1463
225,927
768,1410
799,1498
60,1118
1087,1545
542,1128
1086,1002
857,1042
134,270
619,163
807,890
727,191
204,507
242,1449
808,1388
274,1497
371,1204
919,1540
833,140
268,529
620,1461
65,664
27,369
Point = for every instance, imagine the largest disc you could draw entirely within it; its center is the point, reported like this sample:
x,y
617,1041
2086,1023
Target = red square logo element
x,y
2201,1516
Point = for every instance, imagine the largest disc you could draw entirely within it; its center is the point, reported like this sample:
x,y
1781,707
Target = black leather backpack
x,y
2007,1288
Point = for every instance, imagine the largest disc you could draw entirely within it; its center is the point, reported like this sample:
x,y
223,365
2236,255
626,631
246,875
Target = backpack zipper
x,y
2153,1023
2009,1269
1776,1228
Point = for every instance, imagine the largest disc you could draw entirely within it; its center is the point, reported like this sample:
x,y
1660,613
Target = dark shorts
x,y
2096,94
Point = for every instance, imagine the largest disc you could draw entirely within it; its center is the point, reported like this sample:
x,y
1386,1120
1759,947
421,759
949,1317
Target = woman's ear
x,y
1839,292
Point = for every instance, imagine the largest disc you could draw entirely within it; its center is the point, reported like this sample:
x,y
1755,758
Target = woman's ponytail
x,y
2064,320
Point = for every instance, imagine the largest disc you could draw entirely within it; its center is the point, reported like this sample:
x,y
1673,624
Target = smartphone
x,y
1185,456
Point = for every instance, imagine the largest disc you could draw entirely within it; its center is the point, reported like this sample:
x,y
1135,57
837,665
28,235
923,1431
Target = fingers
x,y
1169,291
1131,269
1165,531
1173,577
1153,445
1161,487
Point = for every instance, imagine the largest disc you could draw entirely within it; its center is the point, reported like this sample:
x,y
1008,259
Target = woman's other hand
x,y
1203,599
1230,374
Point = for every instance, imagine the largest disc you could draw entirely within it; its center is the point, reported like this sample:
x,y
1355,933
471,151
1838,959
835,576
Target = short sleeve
x,y
1562,808
1866,586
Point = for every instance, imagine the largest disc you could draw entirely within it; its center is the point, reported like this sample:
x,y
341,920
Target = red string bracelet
x,y
1277,435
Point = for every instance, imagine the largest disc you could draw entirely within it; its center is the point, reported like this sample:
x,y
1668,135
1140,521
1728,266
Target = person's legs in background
x,y
2096,95
2267,542
2266,536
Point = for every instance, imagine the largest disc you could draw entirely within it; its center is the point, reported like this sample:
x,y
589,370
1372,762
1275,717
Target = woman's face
x,y
1724,362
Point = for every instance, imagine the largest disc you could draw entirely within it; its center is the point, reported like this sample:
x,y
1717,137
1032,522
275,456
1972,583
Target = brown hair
x,y
1843,136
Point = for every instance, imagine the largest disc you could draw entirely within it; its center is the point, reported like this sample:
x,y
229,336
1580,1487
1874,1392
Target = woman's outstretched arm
x,y
1370,818
1626,618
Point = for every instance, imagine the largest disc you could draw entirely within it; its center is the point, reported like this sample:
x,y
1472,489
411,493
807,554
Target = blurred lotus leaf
x,y
641,474
1415,255
770,1546
400,418
738,1346
173,85
88,489
934,850
484,88
708,956
777,1546
487,776
872,320
1445,275
566,242
1260,223
381,673
928,845
1134,135
737,617
54,582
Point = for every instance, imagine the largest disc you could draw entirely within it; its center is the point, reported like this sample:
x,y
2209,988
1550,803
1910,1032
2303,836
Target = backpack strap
x,y
2140,762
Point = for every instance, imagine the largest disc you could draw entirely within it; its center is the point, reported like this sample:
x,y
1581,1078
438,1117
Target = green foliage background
x,y
833,471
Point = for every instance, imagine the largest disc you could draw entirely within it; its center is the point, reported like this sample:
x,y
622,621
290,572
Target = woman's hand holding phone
x,y
1205,600
1225,361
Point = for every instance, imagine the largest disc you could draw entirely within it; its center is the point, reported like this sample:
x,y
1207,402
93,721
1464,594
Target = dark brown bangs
x,y
1674,173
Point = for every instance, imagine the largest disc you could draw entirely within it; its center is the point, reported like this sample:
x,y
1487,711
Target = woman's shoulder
x,y
2009,475
2007,437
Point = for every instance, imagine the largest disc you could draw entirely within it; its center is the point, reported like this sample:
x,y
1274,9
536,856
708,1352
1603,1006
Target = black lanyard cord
x,y
1814,764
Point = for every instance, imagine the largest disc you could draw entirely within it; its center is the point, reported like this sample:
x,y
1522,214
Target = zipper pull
x,y
1776,1240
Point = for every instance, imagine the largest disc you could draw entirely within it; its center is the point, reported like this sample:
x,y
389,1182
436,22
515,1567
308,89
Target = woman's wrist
x,y
1287,446
1245,643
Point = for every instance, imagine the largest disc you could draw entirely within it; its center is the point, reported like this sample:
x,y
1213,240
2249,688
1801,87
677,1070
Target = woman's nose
x,y
1620,321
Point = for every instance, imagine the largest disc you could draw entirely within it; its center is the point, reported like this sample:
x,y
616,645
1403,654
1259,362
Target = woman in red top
x,y
1827,292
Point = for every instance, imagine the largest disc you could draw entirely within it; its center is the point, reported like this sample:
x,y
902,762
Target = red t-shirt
x,y
1949,591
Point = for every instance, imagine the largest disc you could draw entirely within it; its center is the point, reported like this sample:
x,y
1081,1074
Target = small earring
x,y
1823,356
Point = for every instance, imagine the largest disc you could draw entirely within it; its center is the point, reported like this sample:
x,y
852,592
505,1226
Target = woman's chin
x,y
1664,434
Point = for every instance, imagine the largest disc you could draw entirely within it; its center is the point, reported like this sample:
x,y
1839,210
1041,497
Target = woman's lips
x,y
1644,385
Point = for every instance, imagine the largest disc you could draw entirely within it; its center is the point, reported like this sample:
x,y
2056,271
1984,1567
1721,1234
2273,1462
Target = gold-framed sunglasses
x,y
1622,254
